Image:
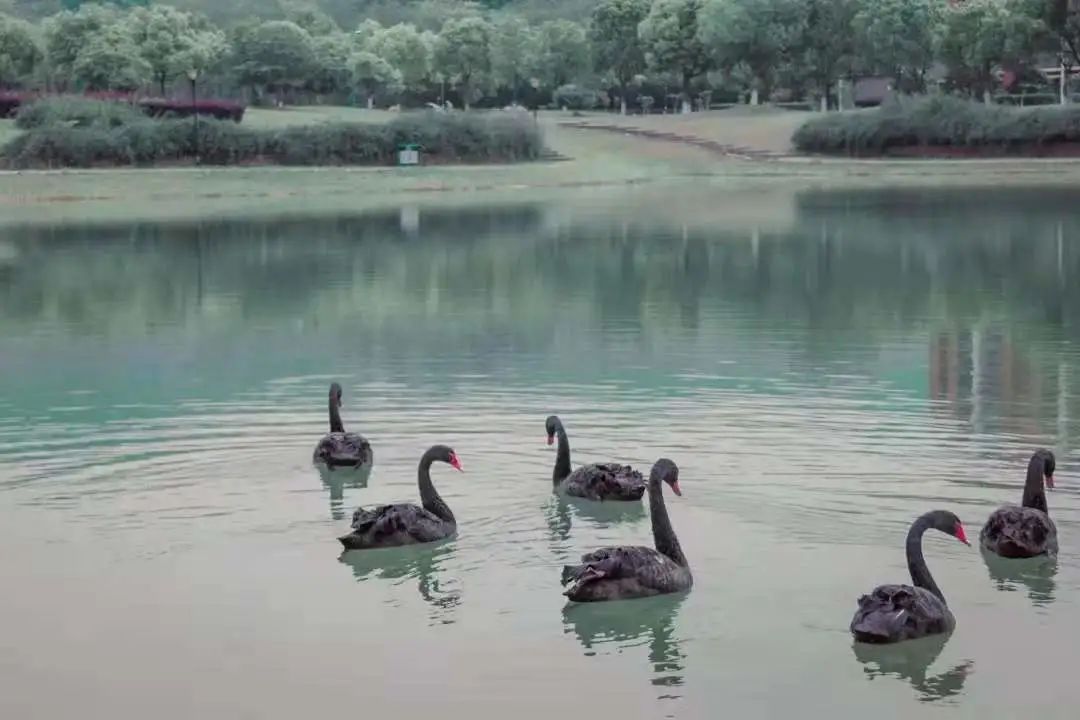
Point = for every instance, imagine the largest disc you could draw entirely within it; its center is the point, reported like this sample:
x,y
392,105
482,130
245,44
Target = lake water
x,y
822,370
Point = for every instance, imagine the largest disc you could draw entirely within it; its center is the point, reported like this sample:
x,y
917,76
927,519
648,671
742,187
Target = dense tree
x,y
978,35
896,39
758,33
464,53
110,60
67,33
404,48
825,50
373,75
332,73
163,35
673,44
274,56
310,18
617,48
513,52
20,51
562,52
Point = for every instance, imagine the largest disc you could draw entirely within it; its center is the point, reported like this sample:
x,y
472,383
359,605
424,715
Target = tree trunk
x,y
685,95
161,83
753,96
371,102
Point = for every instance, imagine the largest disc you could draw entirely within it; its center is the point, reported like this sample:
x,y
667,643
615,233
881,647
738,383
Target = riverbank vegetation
x,y
944,126
83,133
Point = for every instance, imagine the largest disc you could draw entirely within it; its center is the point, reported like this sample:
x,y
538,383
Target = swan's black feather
x,y
613,573
1019,532
892,613
605,481
342,449
392,525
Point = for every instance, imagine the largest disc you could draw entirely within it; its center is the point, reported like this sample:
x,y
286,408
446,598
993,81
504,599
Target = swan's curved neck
x,y
920,574
1034,486
429,497
663,534
562,457
335,418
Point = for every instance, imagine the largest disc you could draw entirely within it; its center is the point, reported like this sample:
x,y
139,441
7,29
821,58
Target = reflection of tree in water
x,y
854,268
422,562
337,479
1036,574
625,624
910,661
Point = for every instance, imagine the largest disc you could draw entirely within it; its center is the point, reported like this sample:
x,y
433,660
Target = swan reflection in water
x,y
337,479
1037,574
420,562
560,512
909,661
623,624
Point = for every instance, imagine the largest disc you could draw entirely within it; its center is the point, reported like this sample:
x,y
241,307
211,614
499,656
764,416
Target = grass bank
x,y
944,126
86,133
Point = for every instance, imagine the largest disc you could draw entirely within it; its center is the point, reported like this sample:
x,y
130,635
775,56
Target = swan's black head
x,y
948,523
444,453
552,425
667,471
1045,457
335,394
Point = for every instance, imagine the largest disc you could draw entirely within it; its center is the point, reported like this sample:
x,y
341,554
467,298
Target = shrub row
x,y
443,137
938,121
53,107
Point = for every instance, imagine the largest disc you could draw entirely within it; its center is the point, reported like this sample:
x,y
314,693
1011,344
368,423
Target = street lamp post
x,y
193,76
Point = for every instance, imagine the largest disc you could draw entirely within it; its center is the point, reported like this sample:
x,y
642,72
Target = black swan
x,y
1025,531
405,523
339,448
608,481
893,613
617,573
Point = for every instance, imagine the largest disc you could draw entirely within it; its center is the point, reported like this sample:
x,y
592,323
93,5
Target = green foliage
x,y
463,52
826,50
20,51
613,33
374,75
309,17
672,41
513,51
76,110
759,33
333,64
174,42
404,48
563,52
443,137
68,33
896,38
274,55
976,35
110,60
937,121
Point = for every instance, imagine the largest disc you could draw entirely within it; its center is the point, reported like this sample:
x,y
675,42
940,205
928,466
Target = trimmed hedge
x,y
78,107
443,137
220,109
938,121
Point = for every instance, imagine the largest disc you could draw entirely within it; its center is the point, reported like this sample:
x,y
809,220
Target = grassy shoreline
x,y
605,167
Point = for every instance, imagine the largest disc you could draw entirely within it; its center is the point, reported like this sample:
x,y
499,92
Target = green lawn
x,y
271,118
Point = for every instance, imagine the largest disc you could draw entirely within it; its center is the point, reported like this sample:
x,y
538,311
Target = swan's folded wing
x,y
1014,531
611,480
388,520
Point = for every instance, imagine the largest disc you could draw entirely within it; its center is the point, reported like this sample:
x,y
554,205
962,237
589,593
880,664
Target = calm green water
x,y
821,377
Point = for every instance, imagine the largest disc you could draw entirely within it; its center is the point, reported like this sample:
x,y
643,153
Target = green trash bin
x,y
409,154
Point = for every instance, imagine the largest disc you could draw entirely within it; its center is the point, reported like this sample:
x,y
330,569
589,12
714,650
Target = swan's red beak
x,y
455,463
551,439
961,535
675,488
1049,480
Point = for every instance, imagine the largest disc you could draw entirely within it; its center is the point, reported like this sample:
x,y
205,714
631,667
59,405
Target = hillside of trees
x,y
573,53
